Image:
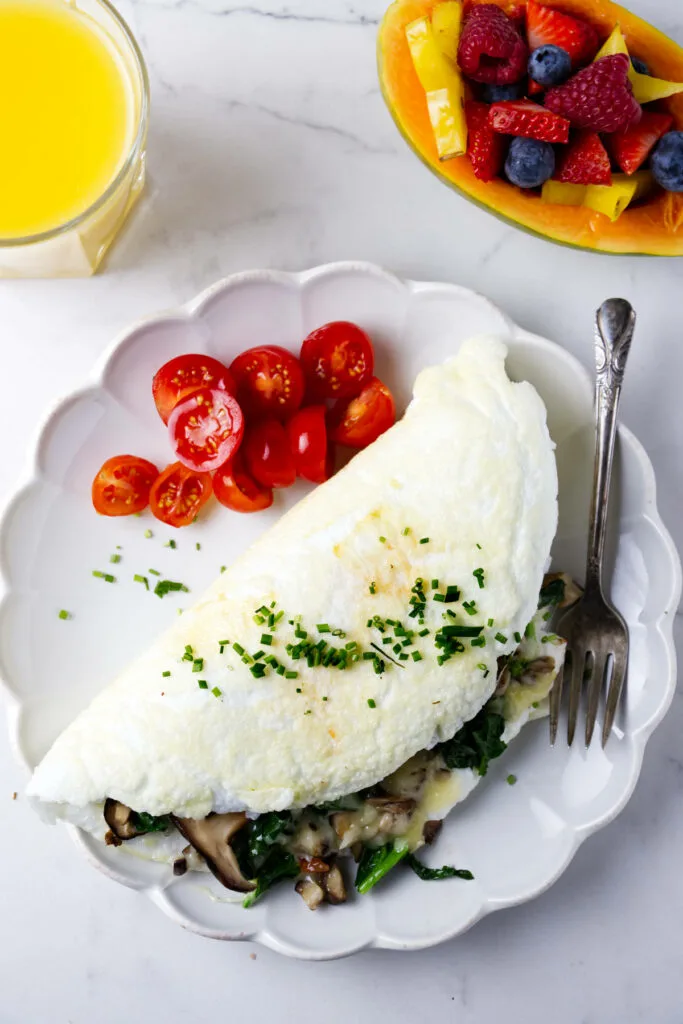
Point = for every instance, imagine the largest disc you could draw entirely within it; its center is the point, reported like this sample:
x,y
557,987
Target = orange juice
x,y
67,116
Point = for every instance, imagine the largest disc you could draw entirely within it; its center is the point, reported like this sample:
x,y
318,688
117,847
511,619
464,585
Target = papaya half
x,y
652,227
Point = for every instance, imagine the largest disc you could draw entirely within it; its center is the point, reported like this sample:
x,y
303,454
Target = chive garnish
x,y
164,587
148,534
530,632
141,579
511,779
489,623
424,540
479,546
267,639
217,692
239,649
501,638
371,703
298,689
198,665
479,641
435,584
518,638
202,684
423,632
64,614
171,544
405,531
154,572
460,631
166,674
223,568
416,656
107,577
291,674
115,559
373,588
323,627
383,540
198,546
439,597
479,577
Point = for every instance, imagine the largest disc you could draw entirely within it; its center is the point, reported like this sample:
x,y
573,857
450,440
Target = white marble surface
x,y
270,146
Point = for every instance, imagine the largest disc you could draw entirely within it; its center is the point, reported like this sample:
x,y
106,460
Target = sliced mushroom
x,y
333,884
311,893
430,831
389,805
503,681
211,836
536,669
121,822
572,590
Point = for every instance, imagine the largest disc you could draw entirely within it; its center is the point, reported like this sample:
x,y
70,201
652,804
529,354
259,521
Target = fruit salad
x,y
538,97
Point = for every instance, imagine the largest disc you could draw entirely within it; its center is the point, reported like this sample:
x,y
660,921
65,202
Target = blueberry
x,y
550,65
667,162
498,93
529,162
640,66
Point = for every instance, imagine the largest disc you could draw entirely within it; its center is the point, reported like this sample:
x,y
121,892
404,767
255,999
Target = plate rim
x,y
192,309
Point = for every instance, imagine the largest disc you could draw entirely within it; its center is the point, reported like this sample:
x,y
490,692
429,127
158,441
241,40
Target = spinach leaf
x,y
552,593
266,830
434,874
278,865
374,864
144,822
343,803
478,742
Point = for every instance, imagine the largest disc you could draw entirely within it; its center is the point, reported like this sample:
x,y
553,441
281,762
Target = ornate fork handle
x,y
614,325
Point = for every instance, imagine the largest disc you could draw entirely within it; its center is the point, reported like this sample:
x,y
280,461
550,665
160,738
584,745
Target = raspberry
x,y
491,49
599,97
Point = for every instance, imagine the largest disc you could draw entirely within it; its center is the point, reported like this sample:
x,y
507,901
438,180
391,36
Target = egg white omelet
x,y
449,516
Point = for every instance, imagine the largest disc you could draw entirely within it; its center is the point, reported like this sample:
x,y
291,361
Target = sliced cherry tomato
x,y
307,433
359,422
235,489
178,494
269,382
122,485
267,455
338,360
206,429
179,377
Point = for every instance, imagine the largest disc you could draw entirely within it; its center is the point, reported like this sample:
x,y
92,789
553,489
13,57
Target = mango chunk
x,y
446,23
563,193
444,86
613,45
646,89
613,199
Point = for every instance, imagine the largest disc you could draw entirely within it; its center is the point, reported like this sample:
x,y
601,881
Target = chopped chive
x,y
141,579
547,616
479,641
405,531
64,614
396,648
258,671
171,544
166,674
489,623
373,588
479,546
371,703
439,597
416,656
164,587
459,631
424,540
479,577
115,559
383,540
223,568
423,632
148,534
386,639
198,665
482,666
511,779
298,689
368,656
518,638
223,643
435,584
202,684
267,639
198,546
291,674
403,657
154,572
189,653
322,627
107,577
309,712
217,692
530,632
258,655
239,649
501,638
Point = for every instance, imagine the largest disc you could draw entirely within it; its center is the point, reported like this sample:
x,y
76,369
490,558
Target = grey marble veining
x,y
270,146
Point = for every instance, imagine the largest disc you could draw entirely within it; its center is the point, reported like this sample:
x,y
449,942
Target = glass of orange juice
x,y
74,106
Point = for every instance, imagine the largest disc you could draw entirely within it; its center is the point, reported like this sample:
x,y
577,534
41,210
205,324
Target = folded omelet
x,y
364,627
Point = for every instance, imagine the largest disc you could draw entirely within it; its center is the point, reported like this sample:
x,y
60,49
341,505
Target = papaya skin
x,y
651,228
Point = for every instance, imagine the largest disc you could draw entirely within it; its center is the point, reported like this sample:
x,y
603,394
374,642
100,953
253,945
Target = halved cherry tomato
x,y
235,489
206,429
178,494
307,433
122,485
267,455
269,381
338,360
179,377
359,422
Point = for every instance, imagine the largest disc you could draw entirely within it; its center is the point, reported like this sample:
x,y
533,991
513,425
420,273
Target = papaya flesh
x,y
652,227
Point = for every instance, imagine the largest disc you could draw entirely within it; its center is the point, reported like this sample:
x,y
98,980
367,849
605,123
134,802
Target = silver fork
x,y
596,634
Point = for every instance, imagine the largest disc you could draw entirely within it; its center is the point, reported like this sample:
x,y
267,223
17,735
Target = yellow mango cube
x,y
563,193
613,199
446,23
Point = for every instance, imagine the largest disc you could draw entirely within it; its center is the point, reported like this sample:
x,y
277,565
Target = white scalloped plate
x,y
517,840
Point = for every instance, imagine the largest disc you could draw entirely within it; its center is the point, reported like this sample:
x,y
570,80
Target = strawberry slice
x,y
548,25
522,117
485,148
584,162
631,147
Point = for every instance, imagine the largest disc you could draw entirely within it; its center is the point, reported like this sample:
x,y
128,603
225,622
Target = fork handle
x,y
614,325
